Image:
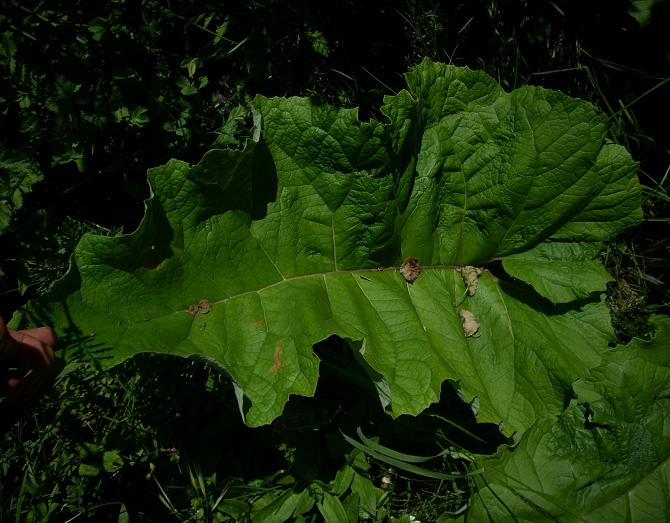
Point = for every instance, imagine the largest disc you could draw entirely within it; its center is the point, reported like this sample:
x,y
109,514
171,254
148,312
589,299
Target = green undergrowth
x,y
161,439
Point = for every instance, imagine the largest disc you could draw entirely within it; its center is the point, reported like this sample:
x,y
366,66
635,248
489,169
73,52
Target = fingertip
x,y
45,334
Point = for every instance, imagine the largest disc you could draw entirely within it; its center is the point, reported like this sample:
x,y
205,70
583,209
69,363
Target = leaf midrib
x,y
303,277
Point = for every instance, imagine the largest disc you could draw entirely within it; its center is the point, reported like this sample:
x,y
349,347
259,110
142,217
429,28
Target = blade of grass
x,y
646,93
393,453
380,82
405,466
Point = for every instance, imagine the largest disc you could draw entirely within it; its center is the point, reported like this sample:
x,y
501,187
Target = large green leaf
x,y
250,257
607,458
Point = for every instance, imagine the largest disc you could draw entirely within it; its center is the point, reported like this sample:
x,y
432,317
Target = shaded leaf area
x,y
604,459
300,236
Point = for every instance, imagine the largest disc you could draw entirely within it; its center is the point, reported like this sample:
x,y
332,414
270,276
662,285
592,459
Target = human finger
x,y
36,347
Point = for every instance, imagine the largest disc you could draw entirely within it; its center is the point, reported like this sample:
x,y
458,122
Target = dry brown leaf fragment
x,y
470,323
192,309
204,306
470,276
410,269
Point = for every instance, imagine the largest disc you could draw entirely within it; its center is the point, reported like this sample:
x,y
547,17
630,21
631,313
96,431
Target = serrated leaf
x,y
301,236
607,458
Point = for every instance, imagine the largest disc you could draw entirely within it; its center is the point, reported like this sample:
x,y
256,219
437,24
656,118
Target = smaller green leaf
x,y
281,509
186,88
123,515
234,508
319,42
112,461
304,504
331,509
351,505
139,116
88,450
343,480
220,31
233,124
560,272
8,50
88,470
97,32
24,101
121,114
368,494
191,65
642,10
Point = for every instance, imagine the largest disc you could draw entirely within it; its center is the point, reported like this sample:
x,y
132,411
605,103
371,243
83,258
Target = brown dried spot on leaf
x,y
470,277
257,323
410,269
470,323
203,306
277,363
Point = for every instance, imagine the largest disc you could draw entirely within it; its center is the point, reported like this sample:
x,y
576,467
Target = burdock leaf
x,y
251,257
606,458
